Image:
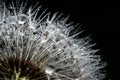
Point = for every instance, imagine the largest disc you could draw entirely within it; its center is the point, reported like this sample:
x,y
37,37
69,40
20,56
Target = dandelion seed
x,y
41,48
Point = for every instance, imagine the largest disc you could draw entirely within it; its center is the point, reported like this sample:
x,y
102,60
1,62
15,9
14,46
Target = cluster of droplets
x,y
45,42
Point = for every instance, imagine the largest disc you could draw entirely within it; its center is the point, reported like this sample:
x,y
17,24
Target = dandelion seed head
x,y
41,48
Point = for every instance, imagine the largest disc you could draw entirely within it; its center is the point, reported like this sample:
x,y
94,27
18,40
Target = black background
x,y
99,18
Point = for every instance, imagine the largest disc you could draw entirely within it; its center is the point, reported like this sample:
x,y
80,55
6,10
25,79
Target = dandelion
x,y
41,48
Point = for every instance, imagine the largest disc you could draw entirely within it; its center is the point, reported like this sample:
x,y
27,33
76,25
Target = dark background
x,y
100,18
